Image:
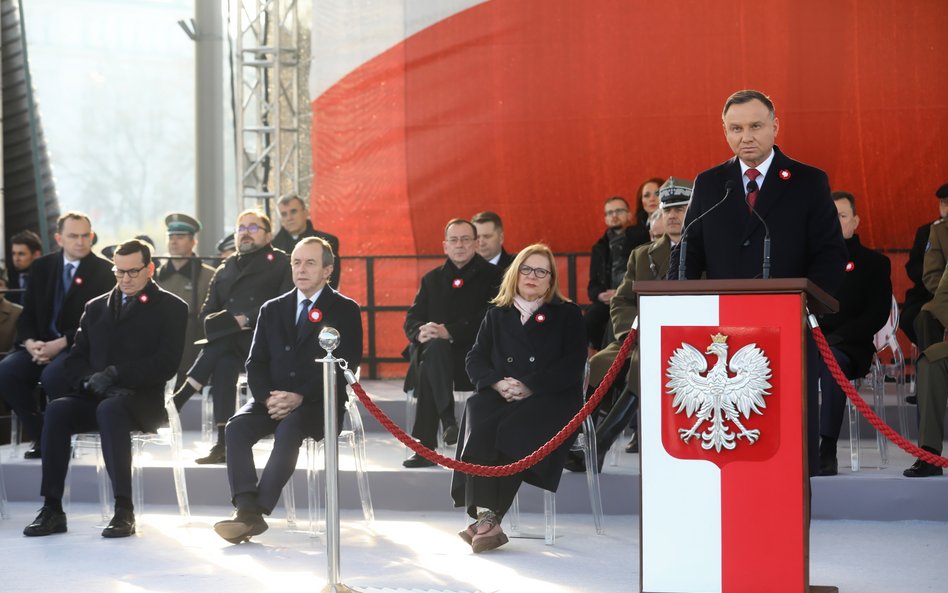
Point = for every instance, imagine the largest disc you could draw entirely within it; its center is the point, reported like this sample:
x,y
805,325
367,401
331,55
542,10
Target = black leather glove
x,y
97,383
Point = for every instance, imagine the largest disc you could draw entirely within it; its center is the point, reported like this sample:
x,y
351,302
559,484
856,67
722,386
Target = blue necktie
x,y
68,272
304,316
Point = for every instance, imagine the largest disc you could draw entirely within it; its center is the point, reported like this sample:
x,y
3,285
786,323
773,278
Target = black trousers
x,y
596,318
434,391
496,494
18,378
834,400
250,425
114,418
814,364
928,330
221,362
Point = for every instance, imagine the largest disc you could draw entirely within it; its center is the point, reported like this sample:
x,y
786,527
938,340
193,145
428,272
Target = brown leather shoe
x,y
489,534
217,454
468,534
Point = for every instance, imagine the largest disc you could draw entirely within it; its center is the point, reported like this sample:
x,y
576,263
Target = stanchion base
x,y
339,588
823,589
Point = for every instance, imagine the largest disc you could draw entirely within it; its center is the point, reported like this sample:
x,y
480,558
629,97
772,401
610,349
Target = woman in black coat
x,y
527,367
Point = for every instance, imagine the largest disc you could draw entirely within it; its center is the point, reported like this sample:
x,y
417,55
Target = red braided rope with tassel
x,y
864,408
517,466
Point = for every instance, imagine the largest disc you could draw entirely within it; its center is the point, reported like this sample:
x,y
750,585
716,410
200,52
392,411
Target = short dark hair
x,y
28,238
135,246
263,217
746,96
455,221
285,200
845,195
614,198
328,258
74,215
488,216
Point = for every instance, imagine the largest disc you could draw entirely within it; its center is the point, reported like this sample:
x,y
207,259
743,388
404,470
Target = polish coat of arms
x,y
716,397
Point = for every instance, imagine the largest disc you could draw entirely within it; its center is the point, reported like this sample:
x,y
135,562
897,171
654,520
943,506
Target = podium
x,y
722,439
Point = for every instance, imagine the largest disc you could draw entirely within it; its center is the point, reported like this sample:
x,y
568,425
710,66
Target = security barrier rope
x,y
864,408
517,466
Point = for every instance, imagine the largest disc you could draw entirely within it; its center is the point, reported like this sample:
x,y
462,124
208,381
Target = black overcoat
x,y
281,359
143,343
795,200
548,354
285,242
243,283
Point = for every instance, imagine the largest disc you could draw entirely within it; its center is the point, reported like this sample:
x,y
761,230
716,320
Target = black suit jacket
x,y
143,343
282,360
600,260
795,200
865,300
242,284
505,260
285,242
93,277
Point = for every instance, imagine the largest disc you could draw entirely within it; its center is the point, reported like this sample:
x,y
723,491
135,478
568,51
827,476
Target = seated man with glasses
x,y
441,326
246,280
61,283
607,266
127,347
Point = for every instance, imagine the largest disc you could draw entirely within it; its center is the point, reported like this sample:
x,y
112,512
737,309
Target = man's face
x,y
673,218
656,228
128,265
181,244
617,214
942,210
309,273
76,238
490,239
252,233
459,244
750,131
22,256
847,220
293,217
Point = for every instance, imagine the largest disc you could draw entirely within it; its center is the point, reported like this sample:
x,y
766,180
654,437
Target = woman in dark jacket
x,y
527,366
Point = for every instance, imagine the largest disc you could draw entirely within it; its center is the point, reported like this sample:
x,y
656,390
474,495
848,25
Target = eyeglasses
x,y
616,212
250,228
130,273
465,240
540,273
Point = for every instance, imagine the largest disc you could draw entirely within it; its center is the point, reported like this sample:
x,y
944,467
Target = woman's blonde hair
x,y
508,286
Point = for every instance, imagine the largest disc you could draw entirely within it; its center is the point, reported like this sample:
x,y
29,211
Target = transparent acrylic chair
x,y
460,398
887,339
4,511
585,442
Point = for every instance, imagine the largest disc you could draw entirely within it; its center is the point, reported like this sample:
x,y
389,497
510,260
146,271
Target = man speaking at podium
x,y
762,214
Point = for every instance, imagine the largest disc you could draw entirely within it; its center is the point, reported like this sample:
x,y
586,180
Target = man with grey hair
x,y
295,224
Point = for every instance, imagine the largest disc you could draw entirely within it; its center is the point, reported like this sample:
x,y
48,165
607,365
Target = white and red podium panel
x,y
722,441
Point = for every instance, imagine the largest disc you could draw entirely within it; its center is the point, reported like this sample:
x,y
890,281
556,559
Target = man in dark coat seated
x,y
127,346
527,365
441,325
865,301
296,225
286,382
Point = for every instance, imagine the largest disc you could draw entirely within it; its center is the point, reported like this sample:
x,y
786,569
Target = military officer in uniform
x,y
185,276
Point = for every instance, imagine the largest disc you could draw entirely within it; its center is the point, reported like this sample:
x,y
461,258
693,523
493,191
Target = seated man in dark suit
x,y
60,285
127,347
246,280
490,239
287,385
864,304
25,247
441,325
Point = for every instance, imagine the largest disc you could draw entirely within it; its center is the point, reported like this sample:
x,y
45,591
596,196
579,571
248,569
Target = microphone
x,y
751,188
683,244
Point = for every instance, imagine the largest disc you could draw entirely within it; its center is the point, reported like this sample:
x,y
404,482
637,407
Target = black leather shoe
x,y
217,454
829,466
33,452
575,462
450,434
241,527
922,469
417,460
47,522
121,525
911,399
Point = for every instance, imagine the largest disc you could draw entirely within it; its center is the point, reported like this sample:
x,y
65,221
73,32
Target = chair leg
x,y
177,461
4,512
289,503
105,488
853,436
138,491
14,435
549,515
207,416
878,400
592,476
513,517
357,444
312,486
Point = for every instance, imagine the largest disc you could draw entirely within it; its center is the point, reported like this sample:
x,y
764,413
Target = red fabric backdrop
x,y
539,109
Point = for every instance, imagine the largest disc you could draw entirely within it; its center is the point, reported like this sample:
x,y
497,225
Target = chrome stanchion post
x,y
329,340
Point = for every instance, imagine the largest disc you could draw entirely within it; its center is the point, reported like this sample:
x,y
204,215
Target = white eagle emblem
x,y
717,397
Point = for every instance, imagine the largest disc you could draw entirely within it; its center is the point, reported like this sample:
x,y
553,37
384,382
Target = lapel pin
x,y
269,257
850,266
77,280
457,283
315,315
143,298
784,174
540,318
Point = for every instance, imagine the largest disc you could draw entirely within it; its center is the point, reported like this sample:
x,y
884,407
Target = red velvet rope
x,y
511,468
864,408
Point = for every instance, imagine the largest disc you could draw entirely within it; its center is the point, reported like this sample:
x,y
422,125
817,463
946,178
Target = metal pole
x,y
209,124
329,340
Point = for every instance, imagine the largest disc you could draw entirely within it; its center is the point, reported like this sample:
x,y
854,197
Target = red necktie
x,y
752,189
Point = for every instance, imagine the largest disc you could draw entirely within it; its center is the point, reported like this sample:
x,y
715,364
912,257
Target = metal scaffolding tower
x,y
266,96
